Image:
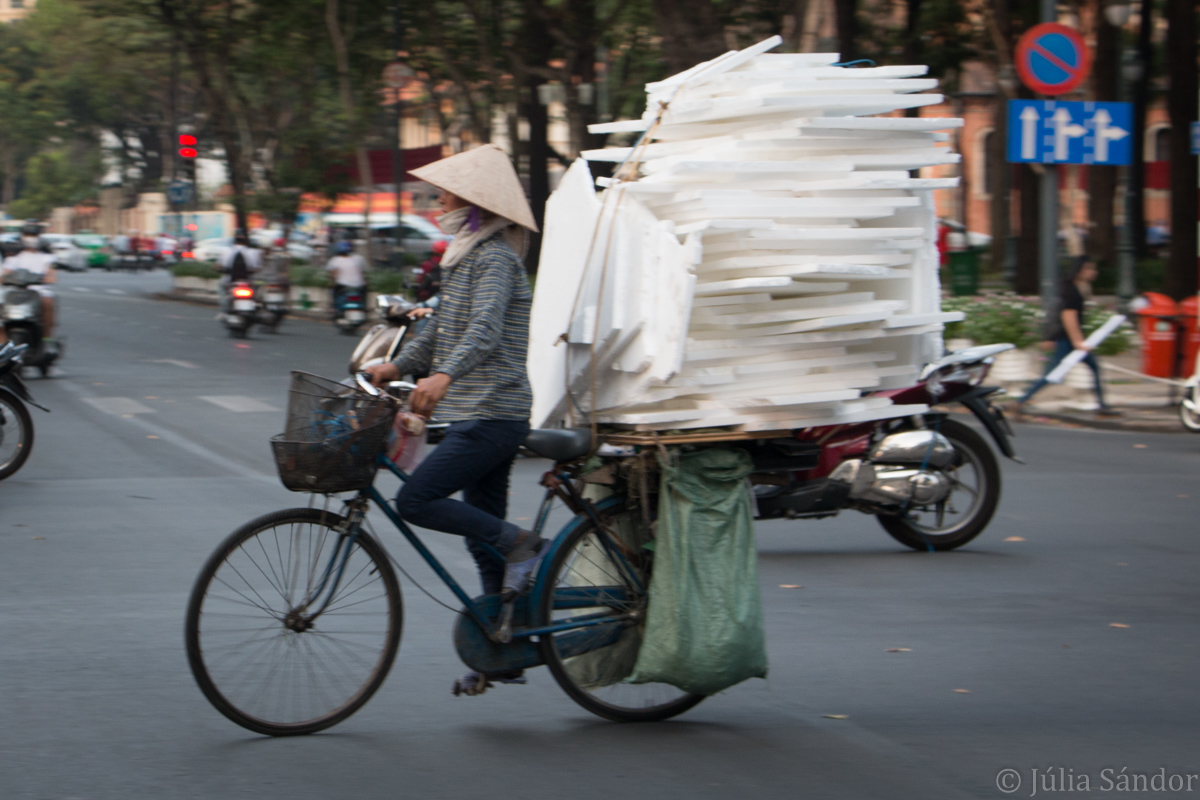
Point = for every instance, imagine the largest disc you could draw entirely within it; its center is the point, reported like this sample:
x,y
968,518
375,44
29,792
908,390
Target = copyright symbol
x,y
1008,780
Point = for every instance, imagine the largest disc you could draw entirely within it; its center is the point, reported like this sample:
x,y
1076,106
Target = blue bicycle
x,y
295,619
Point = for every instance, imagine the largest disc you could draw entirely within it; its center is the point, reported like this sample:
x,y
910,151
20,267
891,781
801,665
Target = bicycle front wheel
x,y
613,568
292,625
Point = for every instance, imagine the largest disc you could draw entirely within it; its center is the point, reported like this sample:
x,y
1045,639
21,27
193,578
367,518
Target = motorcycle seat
x,y
560,444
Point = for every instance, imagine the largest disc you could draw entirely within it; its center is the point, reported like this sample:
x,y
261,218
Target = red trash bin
x,y
1158,328
1191,334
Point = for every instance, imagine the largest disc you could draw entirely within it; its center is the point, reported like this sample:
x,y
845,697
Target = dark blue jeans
x,y
476,458
1062,349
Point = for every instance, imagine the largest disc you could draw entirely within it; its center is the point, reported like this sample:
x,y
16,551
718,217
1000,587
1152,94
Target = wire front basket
x,y
333,436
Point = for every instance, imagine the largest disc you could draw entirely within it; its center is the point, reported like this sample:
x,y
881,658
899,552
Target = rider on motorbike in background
x,y
238,264
346,269
34,259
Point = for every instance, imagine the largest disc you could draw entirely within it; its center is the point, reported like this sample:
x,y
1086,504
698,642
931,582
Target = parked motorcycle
x,y
16,425
398,324
1189,406
350,310
273,304
23,323
242,311
932,481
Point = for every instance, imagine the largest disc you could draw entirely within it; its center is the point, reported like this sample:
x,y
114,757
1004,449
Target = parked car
x,y
67,254
213,250
10,244
96,248
417,234
297,246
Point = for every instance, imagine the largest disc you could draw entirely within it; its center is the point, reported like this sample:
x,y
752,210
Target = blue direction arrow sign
x,y
1062,132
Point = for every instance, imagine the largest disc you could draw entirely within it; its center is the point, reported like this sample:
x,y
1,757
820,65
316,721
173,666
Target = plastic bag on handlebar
x,y
704,628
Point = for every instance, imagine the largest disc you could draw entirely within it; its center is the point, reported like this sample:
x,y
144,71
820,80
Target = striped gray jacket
x,y
479,337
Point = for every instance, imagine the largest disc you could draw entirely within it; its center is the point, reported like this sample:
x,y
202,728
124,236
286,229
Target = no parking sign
x,y
1052,58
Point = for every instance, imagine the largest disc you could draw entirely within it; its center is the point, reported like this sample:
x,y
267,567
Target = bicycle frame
x,y
572,597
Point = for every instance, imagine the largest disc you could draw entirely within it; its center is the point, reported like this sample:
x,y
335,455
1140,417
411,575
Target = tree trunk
x,y
999,171
1181,278
1137,169
341,57
1025,279
847,28
537,46
1102,179
691,31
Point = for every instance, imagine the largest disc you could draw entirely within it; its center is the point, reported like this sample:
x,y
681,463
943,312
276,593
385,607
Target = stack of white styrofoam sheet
x,y
764,259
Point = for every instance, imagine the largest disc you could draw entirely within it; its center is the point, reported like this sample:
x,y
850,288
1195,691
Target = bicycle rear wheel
x,y
586,563
260,653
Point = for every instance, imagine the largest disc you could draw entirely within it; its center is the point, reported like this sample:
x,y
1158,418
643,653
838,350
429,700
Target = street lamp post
x,y
1117,14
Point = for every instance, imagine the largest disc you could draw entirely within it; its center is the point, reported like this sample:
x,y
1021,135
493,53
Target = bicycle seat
x,y
560,444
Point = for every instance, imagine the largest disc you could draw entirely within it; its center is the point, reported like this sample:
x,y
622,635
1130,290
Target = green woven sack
x,y
704,628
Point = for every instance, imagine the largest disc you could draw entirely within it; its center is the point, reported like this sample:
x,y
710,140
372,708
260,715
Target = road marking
x,y
171,437
173,361
238,403
82,289
115,291
118,405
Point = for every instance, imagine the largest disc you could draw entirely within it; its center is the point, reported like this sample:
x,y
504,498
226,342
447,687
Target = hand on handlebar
x,y
382,373
417,313
428,394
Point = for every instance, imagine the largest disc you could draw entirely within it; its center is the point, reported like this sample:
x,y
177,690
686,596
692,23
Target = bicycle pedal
x,y
506,617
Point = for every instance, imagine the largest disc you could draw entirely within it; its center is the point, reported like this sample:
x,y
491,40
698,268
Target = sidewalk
x,y
1145,405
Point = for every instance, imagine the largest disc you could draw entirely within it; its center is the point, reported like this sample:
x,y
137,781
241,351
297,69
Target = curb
x,y
1171,425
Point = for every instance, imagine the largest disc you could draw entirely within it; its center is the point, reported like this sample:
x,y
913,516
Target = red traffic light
x,y
187,152
187,139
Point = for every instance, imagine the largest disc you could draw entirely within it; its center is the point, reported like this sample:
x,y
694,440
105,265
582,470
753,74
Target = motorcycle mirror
x,y
364,382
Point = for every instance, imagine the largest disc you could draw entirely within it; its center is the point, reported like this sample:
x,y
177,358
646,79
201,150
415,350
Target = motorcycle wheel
x,y
16,434
1190,417
976,485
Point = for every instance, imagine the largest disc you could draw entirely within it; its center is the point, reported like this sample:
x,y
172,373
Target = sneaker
x,y
476,683
471,684
517,574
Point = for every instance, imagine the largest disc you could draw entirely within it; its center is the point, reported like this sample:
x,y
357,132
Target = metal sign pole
x,y
1048,186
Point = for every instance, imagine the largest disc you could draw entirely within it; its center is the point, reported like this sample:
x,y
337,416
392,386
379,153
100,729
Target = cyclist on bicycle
x,y
475,358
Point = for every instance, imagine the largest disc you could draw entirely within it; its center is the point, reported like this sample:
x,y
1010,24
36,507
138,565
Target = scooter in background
x,y
23,324
273,305
351,310
931,481
242,311
400,321
16,425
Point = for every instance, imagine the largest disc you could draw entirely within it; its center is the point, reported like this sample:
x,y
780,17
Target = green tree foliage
x,y
55,178
27,110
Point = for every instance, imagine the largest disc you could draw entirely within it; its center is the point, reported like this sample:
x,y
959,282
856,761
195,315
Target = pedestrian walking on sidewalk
x,y
1064,332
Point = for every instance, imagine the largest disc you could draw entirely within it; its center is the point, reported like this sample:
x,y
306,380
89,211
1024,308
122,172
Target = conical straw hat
x,y
483,177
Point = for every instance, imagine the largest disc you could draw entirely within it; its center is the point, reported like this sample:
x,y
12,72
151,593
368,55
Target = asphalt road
x,y
1007,656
